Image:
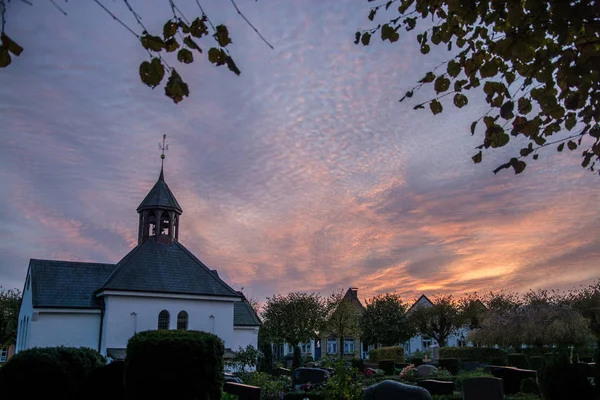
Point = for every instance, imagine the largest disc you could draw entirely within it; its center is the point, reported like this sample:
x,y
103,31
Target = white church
x,y
159,285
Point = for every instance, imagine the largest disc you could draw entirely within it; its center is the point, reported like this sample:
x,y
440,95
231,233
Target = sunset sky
x,y
304,173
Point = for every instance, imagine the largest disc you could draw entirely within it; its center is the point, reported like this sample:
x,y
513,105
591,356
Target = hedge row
x,y
49,372
480,354
394,353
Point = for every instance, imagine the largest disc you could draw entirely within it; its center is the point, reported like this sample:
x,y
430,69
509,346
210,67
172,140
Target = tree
x,y
586,301
471,310
295,318
179,35
384,321
438,320
502,302
535,60
246,357
342,318
10,301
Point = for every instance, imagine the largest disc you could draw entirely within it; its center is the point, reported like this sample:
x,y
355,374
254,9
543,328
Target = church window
x,y
163,320
182,321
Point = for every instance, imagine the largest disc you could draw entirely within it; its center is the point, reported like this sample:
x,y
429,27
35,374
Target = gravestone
x,y
437,388
511,376
483,388
425,370
314,376
392,390
435,352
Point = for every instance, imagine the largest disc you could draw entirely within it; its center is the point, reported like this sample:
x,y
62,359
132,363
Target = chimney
x,y
214,271
354,291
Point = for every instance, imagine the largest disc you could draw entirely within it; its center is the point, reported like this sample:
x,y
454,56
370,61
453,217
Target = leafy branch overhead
x,y
179,36
536,61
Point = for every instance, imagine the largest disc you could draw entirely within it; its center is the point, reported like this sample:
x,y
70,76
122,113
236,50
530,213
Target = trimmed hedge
x,y
106,383
169,364
44,372
395,353
517,360
481,354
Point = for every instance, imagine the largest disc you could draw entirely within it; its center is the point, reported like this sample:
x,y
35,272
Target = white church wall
x,y
125,315
25,314
73,329
243,336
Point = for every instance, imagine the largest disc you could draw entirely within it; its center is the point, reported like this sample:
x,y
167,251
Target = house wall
x,y
243,336
73,329
125,315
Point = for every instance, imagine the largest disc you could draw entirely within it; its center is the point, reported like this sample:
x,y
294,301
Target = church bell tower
x,y
160,211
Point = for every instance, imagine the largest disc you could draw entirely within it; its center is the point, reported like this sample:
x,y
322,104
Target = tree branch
x,y
250,24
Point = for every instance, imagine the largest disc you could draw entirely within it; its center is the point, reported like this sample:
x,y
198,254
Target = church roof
x,y
160,196
165,268
244,315
66,284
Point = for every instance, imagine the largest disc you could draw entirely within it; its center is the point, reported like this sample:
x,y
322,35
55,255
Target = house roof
x,y
165,268
244,315
352,296
420,300
66,284
160,196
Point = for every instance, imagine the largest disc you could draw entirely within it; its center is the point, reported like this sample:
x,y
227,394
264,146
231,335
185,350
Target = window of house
x,y
426,342
348,346
3,354
182,321
164,318
331,346
305,348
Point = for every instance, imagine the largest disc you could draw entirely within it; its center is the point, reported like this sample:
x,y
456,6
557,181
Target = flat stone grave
x,y
392,390
483,388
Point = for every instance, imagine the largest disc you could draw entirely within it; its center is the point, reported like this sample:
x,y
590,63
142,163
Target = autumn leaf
x,y
436,107
176,88
222,35
9,44
152,72
185,56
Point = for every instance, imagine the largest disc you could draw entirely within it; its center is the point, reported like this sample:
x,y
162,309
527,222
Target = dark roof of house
x,y
67,284
244,315
352,296
160,196
165,268
418,300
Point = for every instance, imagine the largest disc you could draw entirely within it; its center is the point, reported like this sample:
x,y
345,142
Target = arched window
x,y
164,224
182,321
163,320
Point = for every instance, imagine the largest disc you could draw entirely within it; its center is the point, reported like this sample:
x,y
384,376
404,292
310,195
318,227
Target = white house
x,y
159,285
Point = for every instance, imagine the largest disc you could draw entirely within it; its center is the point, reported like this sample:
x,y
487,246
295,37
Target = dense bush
x,y
463,376
358,363
49,372
517,360
561,379
395,353
416,361
449,364
106,382
536,362
481,354
174,364
387,366
271,388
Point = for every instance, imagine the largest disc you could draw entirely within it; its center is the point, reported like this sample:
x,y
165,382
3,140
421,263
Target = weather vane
x,y
164,147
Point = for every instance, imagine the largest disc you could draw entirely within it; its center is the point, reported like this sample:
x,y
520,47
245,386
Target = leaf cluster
x,y
10,302
179,36
439,319
384,321
536,61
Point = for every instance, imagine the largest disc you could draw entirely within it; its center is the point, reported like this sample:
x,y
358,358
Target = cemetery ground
x,y
190,365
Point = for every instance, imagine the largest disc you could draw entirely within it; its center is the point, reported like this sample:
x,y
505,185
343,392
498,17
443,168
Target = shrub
x,y
106,383
561,379
536,362
517,360
358,363
481,354
530,386
416,361
395,353
174,364
54,372
270,388
449,364
463,376
387,366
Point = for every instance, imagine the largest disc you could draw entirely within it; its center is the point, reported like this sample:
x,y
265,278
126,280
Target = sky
x,y
304,173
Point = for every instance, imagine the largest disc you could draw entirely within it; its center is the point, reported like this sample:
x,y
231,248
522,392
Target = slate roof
x,y
352,296
160,196
67,284
244,315
165,268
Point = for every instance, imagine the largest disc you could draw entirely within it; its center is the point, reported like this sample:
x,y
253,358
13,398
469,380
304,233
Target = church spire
x,y
159,211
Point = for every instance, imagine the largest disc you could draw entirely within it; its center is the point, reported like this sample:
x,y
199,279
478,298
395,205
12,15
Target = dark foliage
x,y
449,364
106,382
481,354
387,366
182,365
561,379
